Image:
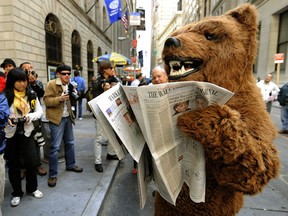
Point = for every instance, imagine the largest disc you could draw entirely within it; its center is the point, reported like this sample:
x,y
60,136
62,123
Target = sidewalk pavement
x,y
75,193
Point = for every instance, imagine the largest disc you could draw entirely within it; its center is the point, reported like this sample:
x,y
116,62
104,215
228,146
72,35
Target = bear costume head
x,y
238,136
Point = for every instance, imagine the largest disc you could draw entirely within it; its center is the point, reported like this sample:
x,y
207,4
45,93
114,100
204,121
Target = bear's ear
x,y
245,14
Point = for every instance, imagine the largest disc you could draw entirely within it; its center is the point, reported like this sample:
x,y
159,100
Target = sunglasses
x,y
64,74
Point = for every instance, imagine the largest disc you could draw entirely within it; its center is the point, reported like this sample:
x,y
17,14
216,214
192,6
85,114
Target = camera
x,y
71,91
20,124
38,137
110,80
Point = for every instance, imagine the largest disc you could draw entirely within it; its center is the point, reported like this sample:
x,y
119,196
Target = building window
x,y
179,5
99,51
283,36
76,50
53,40
90,56
97,14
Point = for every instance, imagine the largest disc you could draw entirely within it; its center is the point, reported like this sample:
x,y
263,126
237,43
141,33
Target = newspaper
x,y
114,106
118,147
176,158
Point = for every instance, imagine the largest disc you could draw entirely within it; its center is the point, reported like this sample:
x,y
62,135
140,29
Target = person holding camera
x,y
19,134
59,94
38,87
105,81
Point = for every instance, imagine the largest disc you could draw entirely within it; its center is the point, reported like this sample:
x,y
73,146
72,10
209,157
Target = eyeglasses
x,y
64,74
108,68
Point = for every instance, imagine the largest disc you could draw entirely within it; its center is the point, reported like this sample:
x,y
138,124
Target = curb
x,y
98,196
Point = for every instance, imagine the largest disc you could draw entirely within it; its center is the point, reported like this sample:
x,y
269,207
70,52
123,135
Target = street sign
x,y
134,19
279,58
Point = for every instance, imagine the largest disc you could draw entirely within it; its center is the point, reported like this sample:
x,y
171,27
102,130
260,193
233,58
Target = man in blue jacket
x,y
81,88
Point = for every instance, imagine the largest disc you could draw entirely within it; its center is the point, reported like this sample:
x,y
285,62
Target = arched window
x,y
90,64
53,41
99,51
97,14
90,55
105,19
76,50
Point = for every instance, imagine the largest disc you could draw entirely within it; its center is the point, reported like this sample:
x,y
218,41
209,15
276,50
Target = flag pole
x,y
107,28
91,7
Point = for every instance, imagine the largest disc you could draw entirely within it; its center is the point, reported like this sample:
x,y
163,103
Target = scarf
x,y
20,104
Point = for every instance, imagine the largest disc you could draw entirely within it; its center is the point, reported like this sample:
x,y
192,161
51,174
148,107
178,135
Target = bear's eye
x,y
209,36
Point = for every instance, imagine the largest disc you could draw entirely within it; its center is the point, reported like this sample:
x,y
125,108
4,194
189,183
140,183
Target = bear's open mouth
x,y
182,67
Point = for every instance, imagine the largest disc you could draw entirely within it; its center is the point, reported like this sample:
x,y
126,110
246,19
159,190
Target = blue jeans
x,y
284,117
63,131
80,108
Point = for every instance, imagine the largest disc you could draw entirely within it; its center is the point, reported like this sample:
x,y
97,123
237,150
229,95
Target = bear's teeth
x,y
180,72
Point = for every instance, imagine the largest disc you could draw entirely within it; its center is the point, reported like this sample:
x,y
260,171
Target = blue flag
x,y
114,10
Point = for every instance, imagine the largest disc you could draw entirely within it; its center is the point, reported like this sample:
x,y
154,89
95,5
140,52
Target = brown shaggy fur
x,y
237,137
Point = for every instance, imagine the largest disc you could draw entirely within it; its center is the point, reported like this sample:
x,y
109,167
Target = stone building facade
x,y
273,34
50,32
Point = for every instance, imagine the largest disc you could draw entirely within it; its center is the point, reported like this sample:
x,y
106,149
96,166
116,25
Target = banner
x,y
114,10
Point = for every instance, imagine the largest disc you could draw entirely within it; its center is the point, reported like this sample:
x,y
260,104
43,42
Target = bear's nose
x,y
172,42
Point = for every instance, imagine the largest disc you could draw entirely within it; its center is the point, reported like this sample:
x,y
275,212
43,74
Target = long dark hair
x,y
15,74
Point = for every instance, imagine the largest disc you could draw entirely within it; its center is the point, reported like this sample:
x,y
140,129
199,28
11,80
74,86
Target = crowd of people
x,y
23,97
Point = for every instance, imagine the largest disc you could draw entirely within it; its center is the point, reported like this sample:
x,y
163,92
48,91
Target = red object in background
x,y
134,43
2,82
133,59
131,69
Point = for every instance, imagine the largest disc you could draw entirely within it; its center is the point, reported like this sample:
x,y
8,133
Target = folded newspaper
x,y
145,120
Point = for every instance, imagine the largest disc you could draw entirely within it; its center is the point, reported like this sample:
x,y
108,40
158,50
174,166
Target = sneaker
x,y
111,157
99,168
80,119
15,201
37,194
75,169
52,182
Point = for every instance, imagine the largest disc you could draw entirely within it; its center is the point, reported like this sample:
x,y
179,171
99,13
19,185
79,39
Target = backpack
x,y
88,96
283,95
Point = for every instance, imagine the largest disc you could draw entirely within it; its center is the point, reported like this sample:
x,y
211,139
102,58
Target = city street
x,y
123,198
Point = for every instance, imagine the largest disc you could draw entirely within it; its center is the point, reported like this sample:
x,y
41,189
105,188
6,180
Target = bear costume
x,y
238,136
